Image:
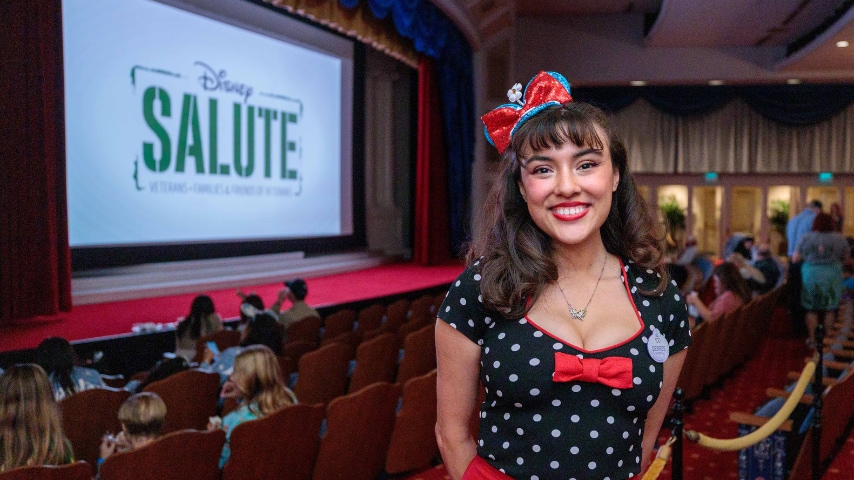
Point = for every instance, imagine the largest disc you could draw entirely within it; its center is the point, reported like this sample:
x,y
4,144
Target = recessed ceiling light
x,y
637,83
793,81
842,43
716,83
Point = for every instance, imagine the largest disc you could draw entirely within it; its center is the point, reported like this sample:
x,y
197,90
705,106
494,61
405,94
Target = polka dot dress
x,y
532,427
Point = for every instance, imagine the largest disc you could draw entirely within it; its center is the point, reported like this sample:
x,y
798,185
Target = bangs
x,y
556,126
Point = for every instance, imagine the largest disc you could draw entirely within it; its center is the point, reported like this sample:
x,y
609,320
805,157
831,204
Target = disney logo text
x,y
213,80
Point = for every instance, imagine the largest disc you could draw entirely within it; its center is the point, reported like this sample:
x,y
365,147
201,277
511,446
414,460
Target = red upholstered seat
x,y
191,398
87,415
72,471
182,455
283,444
358,431
413,442
376,361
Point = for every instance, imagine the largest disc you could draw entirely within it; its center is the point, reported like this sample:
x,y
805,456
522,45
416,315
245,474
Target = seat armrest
x,y
757,421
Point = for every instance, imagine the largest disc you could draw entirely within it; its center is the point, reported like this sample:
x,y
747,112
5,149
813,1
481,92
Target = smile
x,y
573,212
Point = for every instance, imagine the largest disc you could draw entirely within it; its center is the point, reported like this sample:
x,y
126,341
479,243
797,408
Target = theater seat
x,y
283,444
182,455
72,471
191,398
358,431
87,415
413,442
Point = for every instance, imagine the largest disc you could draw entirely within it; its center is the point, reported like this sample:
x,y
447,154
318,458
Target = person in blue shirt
x,y
57,357
800,224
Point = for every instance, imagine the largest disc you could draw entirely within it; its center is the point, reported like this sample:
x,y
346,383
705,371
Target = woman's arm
x,y
458,364
672,367
702,310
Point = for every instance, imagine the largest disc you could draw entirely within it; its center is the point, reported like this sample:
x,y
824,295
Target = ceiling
x,y
762,25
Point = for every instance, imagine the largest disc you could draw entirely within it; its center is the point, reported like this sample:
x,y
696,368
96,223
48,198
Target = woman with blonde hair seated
x,y
257,384
141,417
30,425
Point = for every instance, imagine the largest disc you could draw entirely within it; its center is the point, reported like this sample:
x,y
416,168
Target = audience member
x,y
202,320
822,251
848,280
753,276
731,291
30,425
770,268
141,417
262,329
836,215
256,383
56,356
251,300
801,224
744,247
689,253
295,291
797,227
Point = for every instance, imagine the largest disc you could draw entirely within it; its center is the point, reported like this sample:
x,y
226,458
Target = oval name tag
x,y
657,345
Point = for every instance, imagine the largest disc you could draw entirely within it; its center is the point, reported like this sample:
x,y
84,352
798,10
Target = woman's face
x,y
568,190
718,284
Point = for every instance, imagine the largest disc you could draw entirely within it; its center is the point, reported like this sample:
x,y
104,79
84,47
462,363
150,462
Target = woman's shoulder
x,y
640,278
88,374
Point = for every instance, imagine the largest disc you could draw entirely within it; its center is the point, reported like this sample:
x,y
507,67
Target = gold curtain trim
x,y
358,23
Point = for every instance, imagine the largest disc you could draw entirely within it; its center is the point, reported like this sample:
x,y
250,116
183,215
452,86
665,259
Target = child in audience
x,y
262,329
202,320
256,383
56,356
141,417
30,425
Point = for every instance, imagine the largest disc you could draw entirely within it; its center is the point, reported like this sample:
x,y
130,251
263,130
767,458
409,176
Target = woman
x,y
565,277
30,425
141,417
823,251
56,356
836,215
731,292
201,321
257,384
262,329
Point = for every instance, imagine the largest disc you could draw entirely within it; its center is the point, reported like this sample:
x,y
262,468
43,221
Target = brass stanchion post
x,y
677,423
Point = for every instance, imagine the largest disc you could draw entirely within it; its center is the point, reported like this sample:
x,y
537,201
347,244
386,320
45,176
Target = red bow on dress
x,y
611,371
544,90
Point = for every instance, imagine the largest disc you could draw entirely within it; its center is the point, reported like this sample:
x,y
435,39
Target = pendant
x,y
577,314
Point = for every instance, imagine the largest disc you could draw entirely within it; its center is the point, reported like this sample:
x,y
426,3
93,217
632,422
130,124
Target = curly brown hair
x,y
516,256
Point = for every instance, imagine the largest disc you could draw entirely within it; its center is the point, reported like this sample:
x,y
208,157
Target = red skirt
x,y
478,469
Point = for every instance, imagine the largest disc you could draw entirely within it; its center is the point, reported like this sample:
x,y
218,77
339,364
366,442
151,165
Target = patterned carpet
x,y
743,390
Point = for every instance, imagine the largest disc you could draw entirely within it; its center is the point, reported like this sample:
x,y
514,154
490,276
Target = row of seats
x,y
797,440
719,347
383,428
322,374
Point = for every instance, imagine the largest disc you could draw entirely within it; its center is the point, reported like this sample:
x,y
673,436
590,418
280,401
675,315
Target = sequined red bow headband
x,y
544,90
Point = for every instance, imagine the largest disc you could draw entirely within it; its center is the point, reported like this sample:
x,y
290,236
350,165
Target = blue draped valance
x,y
434,35
792,105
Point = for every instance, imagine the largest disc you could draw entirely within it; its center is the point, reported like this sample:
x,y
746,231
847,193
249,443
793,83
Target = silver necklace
x,y
579,314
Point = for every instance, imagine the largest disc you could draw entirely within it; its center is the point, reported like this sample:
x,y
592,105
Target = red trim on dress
x,y
625,275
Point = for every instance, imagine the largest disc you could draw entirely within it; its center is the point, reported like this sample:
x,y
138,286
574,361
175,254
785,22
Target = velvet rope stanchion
x,y
728,445
660,461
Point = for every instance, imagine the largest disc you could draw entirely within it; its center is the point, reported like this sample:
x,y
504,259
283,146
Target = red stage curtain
x,y
432,233
35,264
